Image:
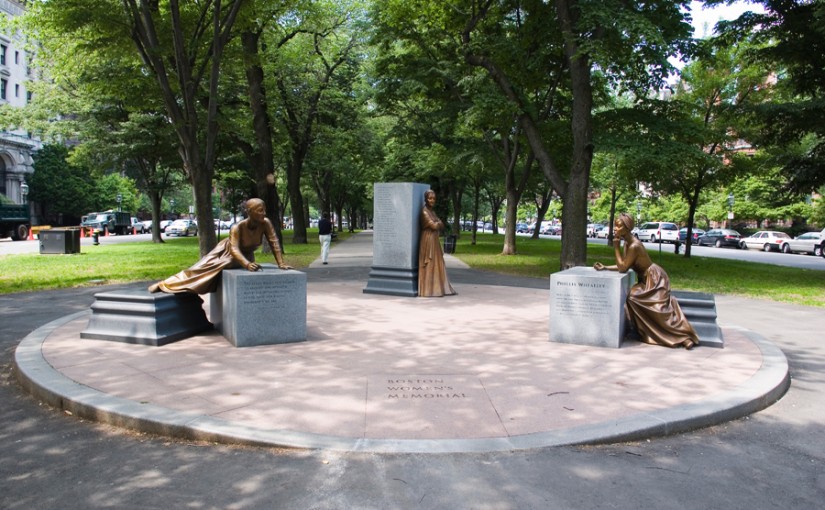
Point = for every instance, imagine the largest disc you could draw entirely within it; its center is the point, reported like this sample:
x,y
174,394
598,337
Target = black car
x,y
719,237
696,233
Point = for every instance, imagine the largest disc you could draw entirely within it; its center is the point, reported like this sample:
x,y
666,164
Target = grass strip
x,y
126,262
538,258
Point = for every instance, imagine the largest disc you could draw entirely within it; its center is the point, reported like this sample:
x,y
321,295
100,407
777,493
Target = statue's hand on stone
x,y
253,266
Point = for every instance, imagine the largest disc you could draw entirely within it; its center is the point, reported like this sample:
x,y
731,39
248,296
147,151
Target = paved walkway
x,y
472,372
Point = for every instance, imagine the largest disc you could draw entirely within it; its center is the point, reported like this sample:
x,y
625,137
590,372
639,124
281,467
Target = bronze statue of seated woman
x,y
651,308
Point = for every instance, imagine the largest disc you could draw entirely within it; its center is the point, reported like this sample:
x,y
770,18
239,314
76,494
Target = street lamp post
x,y
24,196
119,200
730,210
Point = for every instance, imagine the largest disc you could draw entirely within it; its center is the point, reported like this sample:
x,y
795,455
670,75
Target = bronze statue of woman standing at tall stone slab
x,y
656,314
432,273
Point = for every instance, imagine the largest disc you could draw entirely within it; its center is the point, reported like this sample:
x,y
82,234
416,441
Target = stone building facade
x,y
16,147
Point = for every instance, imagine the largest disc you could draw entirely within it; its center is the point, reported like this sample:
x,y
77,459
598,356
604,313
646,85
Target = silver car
x,y
182,228
766,240
812,243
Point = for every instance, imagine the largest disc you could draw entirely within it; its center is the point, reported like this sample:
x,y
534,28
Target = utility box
x,y
449,243
60,241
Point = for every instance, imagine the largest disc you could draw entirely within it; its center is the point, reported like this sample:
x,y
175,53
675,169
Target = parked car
x,y
719,237
222,225
163,224
602,231
659,232
137,225
521,228
550,229
696,233
765,240
591,229
809,242
147,225
182,228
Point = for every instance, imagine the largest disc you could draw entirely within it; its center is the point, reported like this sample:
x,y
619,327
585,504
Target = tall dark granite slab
x,y
396,232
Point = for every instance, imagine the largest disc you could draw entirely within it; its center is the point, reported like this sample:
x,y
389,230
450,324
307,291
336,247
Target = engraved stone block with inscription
x,y
396,232
587,306
261,308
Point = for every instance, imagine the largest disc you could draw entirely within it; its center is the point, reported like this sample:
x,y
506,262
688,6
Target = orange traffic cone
x,y
31,235
134,231
82,233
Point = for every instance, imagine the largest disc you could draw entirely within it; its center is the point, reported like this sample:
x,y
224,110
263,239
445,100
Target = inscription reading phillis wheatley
x,y
421,389
581,299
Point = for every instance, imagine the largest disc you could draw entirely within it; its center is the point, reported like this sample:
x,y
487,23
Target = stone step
x,y
700,310
140,317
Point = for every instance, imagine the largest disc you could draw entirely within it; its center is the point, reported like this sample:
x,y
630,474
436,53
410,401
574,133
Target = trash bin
x,y
449,243
60,241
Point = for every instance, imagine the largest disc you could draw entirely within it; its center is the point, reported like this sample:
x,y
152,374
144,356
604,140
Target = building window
x,y
16,90
3,84
16,57
3,49
28,97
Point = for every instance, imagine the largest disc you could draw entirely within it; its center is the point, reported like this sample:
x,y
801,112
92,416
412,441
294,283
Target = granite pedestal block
x,y
261,308
396,233
587,306
140,317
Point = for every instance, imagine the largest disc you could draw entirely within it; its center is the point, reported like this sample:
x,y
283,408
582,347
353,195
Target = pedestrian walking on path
x,y
325,236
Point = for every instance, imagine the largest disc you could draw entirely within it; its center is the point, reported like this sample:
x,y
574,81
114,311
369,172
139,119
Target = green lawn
x,y
125,262
145,261
540,258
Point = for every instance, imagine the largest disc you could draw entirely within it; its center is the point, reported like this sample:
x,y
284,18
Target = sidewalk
x,y
472,372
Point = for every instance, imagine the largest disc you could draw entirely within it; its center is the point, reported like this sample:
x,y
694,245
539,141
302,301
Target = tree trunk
x,y
182,100
200,177
476,200
612,217
693,204
262,158
514,191
296,202
574,241
510,220
541,211
456,192
155,199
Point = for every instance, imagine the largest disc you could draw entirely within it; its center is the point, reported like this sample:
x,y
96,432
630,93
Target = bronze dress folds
x,y
432,273
236,251
656,314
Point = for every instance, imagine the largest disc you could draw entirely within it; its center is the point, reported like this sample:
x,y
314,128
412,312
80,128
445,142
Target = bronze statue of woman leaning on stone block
x,y
656,314
236,251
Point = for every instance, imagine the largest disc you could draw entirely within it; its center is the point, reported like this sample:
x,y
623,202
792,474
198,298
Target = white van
x,y
659,232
